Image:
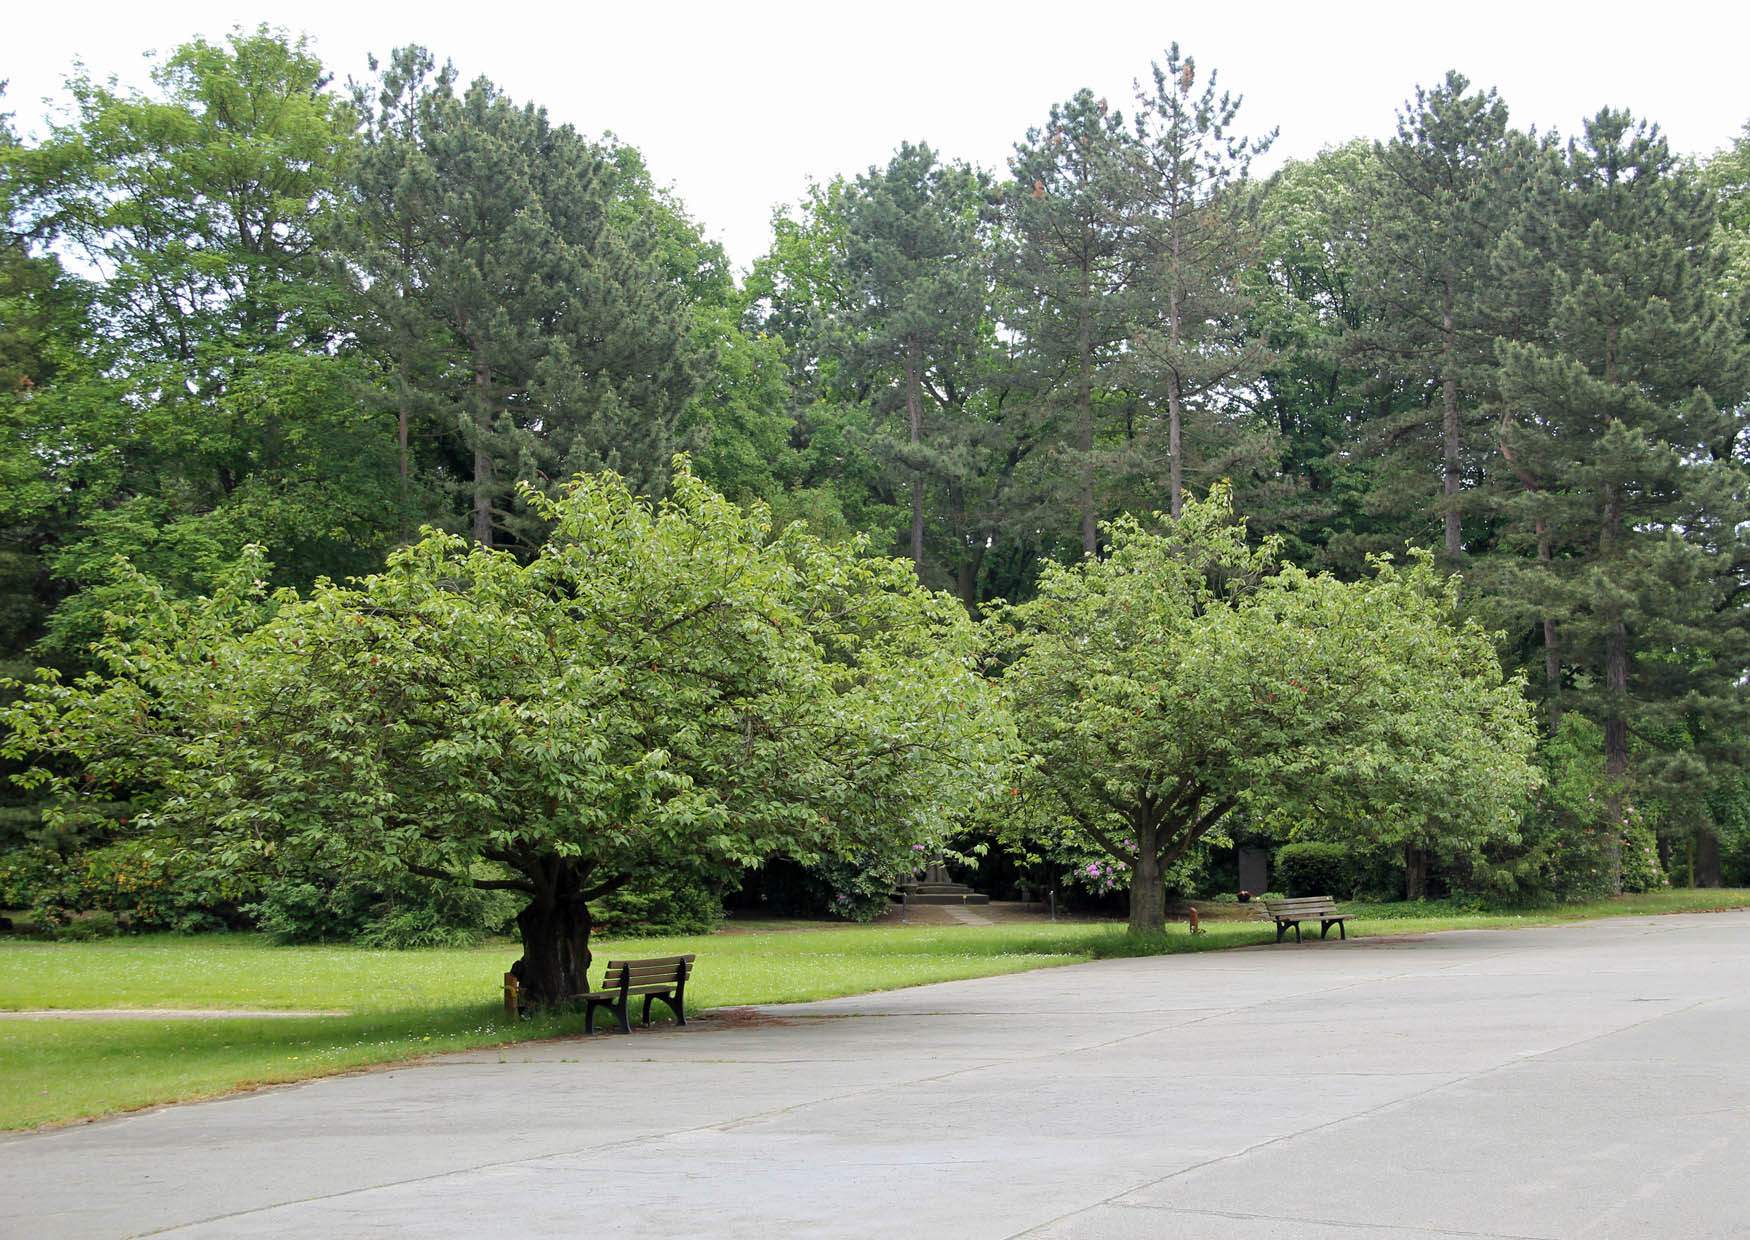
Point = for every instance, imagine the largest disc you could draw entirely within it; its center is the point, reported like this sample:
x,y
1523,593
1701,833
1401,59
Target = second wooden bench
x,y
1322,909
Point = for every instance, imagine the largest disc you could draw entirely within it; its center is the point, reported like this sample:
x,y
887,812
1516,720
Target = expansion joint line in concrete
x,y
595,1151
1460,1079
1347,1224
584,1152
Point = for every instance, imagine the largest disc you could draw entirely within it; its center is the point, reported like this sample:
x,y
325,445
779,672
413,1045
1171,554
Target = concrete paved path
x,y
1571,1082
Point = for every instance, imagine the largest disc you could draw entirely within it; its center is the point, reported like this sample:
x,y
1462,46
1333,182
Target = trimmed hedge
x,y
1312,868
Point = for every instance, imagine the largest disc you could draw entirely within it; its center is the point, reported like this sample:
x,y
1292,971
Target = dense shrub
x,y
311,910
1641,870
88,928
411,912
861,891
27,875
1315,868
849,890
138,884
1559,853
427,924
659,904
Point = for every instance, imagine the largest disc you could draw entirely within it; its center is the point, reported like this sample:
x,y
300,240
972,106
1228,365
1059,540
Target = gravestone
x,y
1254,870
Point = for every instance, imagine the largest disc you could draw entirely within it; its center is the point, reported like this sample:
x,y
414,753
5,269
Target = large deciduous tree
x,y
1180,681
670,687
231,408
1728,175
798,296
1305,302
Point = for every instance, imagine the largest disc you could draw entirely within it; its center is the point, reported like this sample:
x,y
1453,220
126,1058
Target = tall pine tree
x,y
539,327
1072,281
916,280
1631,411
1195,239
1438,202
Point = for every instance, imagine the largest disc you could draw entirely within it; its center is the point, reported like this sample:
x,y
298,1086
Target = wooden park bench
x,y
664,977
1322,909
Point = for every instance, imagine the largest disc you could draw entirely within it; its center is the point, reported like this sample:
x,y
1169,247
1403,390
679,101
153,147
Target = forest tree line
x,y
254,303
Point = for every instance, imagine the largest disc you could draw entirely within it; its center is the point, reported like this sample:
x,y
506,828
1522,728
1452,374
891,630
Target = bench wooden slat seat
x,y
662,977
1290,913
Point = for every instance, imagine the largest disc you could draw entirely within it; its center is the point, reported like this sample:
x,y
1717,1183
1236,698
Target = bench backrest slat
x,y
659,972
1306,906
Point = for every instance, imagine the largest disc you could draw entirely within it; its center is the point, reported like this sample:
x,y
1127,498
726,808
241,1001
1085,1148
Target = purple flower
x,y
917,848
1093,869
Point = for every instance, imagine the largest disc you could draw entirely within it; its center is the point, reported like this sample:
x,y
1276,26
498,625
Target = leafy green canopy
x,y
215,401
1180,682
661,687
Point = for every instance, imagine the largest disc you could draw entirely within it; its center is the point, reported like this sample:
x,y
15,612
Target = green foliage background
x,y
241,306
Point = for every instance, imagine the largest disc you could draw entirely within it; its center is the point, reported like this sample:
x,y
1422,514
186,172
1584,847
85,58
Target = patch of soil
x,y
1376,940
737,1018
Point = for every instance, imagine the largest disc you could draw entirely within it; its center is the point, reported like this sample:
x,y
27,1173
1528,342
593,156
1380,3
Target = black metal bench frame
x,y
664,977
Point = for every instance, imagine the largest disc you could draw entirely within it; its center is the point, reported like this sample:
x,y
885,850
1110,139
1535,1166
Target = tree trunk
x,y
1616,707
966,580
483,471
1705,871
1148,896
1449,429
1415,872
1175,468
1085,427
555,930
1616,749
914,412
1175,400
1552,652
403,418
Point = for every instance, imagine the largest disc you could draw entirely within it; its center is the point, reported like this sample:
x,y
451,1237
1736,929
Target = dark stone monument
x,y
935,887
1254,870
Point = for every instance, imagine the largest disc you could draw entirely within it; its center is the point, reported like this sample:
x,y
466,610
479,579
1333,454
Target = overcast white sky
x,y
737,105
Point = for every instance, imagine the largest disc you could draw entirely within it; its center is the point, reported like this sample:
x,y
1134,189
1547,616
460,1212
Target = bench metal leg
x,y
675,1004
622,1015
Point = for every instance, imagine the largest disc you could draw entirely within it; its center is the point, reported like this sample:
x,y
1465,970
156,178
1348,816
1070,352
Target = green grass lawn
x,y
405,1004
